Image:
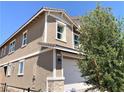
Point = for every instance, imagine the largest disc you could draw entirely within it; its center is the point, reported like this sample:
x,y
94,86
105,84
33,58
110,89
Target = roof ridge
x,y
49,8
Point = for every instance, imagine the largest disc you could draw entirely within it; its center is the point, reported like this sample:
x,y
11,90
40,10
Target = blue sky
x,y
14,14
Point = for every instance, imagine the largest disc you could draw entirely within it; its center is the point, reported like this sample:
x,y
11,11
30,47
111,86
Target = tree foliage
x,y
102,42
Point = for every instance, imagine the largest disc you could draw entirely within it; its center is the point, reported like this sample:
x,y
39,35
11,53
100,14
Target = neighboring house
x,y
42,54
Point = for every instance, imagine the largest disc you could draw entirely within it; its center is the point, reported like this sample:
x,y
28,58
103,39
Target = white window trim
x,y
45,28
9,46
19,67
64,33
62,66
23,38
54,63
4,52
74,39
9,69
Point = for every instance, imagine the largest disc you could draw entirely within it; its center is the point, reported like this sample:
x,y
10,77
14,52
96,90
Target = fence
x,y
8,88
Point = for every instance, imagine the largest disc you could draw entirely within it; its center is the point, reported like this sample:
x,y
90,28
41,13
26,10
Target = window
x,y
76,40
5,70
24,39
3,51
12,46
0,52
9,70
61,31
21,68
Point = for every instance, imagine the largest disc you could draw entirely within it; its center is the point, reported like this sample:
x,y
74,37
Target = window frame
x,y
1,53
4,51
63,33
23,39
19,67
12,46
76,40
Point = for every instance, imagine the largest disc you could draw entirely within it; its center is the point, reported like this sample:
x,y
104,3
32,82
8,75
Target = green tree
x,y
102,42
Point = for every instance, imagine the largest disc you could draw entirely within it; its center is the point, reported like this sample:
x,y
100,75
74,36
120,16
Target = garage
x,y
73,79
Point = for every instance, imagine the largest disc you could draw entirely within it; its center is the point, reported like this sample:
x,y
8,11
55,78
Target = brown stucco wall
x,y
35,35
2,75
39,66
44,69
23,81
51,36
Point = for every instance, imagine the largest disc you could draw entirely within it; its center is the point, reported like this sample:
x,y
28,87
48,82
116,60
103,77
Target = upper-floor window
x,y
3,51
21,68
61,31
1,54
76,40
12,46
24,39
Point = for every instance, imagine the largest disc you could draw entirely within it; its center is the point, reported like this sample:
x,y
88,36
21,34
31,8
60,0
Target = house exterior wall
x,y
51,36
57,84
44,70
39,67
2,76
23,81
36,71
59,66
35,35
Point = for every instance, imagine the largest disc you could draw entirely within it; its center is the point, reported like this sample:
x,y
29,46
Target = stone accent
x,y
59,86
56,85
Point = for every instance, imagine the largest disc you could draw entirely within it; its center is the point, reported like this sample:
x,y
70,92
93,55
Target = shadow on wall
x,y
44,68
45,60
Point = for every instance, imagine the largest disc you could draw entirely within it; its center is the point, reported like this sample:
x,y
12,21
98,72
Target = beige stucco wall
x,y
39,66
23,81
35,35
51,36
44,69
2,75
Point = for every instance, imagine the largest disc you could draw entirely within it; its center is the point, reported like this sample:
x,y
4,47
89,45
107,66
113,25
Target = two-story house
x,y
41,54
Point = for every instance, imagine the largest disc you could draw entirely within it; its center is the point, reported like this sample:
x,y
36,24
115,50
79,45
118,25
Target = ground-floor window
x,y
21,67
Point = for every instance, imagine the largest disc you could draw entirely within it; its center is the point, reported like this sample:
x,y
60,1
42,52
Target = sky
x,y
15,13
